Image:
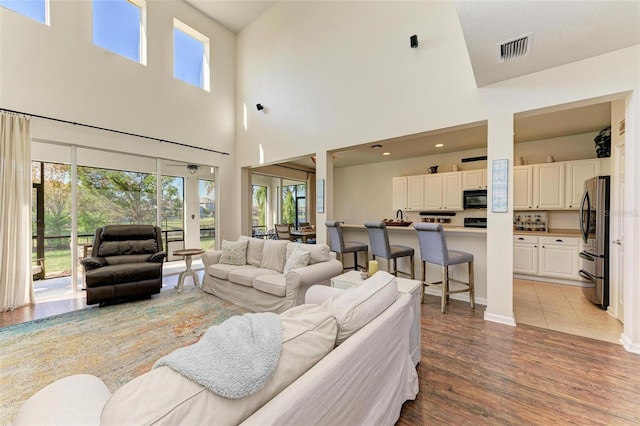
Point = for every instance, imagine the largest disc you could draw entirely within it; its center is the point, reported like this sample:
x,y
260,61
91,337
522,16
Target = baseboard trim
x,y
550,280
500,319
628,345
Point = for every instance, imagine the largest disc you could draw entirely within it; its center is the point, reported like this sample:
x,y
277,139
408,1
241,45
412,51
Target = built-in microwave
x,y
475,199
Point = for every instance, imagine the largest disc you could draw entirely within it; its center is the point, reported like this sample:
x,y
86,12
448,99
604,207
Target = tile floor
x,y
562,308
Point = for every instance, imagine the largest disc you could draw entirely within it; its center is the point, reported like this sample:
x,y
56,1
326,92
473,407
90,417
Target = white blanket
x,y
233,359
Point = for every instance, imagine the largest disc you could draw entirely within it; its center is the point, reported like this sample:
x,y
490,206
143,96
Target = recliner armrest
x,y
93,262
157,257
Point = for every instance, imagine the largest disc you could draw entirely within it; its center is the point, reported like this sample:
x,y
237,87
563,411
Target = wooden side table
x,y
188,254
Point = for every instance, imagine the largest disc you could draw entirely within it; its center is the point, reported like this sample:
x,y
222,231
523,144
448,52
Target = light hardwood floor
x,y
475,372
562,308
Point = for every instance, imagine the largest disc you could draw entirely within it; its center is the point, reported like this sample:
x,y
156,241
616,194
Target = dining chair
x,y
341,247
283,231
380,247
433,249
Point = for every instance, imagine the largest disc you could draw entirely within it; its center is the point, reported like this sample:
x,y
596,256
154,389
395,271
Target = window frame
x,y
142,39
205,83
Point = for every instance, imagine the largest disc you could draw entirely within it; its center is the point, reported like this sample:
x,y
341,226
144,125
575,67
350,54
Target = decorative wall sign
x,y
499,185
320,195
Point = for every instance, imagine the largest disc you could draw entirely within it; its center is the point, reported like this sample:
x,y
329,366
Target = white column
x,y
631,282
500,226
324,174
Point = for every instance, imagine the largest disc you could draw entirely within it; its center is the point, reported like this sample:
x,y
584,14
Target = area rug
x,y
115,343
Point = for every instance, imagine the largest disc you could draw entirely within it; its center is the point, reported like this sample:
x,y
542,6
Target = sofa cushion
x,y
245,276
299,258
318,252
221,271
234,252
274,255
123,273
275,284
254,249
163,397
358,305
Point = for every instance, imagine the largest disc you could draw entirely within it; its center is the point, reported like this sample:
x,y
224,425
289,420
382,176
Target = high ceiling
x,y
561,32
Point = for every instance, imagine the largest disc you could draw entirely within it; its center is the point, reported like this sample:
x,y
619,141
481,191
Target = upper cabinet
x,y
452,191
548,186
408,192
441,191
523,187
400,188
432,191
474,179
577,173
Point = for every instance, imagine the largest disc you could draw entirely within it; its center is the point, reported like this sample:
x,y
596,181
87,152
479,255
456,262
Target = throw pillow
x,y
273,255
298,259
358,305
234,252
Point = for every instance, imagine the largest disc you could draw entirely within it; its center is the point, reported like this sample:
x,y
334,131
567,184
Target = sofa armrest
x,y
90,263
73,400
158,257
317,294
318,273
211,257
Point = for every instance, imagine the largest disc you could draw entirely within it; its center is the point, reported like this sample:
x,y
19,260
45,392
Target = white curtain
x,y
16,281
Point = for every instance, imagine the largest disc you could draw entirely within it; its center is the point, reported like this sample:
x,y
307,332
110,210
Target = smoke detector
x,y
514,48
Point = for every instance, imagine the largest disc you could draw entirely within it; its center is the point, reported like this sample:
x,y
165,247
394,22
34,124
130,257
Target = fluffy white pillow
x,y
357,306
299,258
273,254
234,252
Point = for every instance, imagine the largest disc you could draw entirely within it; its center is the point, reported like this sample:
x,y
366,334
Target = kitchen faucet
x,y
399,213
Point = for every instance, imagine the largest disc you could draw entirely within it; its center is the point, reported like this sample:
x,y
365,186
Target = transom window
x,y
38,10
119,26
190,55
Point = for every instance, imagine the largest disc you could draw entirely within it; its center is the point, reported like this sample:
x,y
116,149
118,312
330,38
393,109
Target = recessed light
x,y
439,145
386,153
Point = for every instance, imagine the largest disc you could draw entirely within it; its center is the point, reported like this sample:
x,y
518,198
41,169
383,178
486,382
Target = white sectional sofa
x,y
260,281
364,380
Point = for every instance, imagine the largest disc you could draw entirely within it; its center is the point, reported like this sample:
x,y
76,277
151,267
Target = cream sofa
x,y
260,282
362,381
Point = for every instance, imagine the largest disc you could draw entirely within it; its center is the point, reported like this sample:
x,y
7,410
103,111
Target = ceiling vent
x,y
514,48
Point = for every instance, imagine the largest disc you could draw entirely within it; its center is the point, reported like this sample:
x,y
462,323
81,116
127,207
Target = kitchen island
x,y
470,240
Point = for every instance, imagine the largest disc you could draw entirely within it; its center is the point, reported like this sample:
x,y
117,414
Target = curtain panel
x,y
16,280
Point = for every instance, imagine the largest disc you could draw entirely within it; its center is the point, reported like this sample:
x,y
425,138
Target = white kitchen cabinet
x,y
400,192
415,192
452,191
522,187
432,198
558,257
525,255
548,186
408,192
474,179
577,173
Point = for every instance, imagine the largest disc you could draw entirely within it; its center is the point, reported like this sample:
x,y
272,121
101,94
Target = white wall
x,y
56,71
337,74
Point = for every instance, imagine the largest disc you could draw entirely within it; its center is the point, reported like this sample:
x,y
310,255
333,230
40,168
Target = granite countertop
x,y
551,233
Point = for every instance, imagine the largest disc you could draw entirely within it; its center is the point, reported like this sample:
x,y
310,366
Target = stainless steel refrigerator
x,y
594,226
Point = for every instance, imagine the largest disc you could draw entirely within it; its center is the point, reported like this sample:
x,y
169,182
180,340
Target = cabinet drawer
x,y
560,241
525,239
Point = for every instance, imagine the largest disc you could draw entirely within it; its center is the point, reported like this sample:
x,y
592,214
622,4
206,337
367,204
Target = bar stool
x,y
339,246
379,241
433,249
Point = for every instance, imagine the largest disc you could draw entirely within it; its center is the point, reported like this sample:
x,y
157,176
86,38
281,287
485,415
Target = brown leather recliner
x,y
126,262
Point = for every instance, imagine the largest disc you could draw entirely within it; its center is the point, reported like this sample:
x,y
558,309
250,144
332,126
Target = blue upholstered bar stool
x,y
433,249
379,241
339,246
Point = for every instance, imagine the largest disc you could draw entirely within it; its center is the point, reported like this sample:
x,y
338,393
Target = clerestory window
x,y
120,26
38,10
190,55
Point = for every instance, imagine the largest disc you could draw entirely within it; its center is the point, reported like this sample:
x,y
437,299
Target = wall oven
x,y
476,199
